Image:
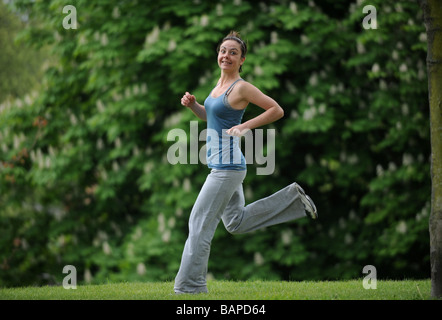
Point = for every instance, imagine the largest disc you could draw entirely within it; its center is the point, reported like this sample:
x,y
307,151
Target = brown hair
x,y
234,35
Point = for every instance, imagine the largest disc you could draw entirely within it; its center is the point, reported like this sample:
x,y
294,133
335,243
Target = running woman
x,y
221,196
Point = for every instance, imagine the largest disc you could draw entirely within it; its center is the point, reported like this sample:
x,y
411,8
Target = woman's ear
x,y
242,60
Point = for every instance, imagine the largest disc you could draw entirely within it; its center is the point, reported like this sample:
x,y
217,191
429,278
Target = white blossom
x,y
172,45
313,80
166,236
161,223
293,7
204,22
258,259
403,68
116,13
379,170
187,185
304,39
219,9
87,276
407,159
375,68
401,227
104,40
106,248
141,268
153,36
273,37
286,236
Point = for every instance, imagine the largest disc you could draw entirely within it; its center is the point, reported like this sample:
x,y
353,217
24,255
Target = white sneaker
x,y
308,202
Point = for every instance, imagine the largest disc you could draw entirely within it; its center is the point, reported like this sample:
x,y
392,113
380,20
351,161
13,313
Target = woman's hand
x,y
188,100
238,131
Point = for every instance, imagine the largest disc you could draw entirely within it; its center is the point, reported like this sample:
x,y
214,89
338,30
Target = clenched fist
x,y
188,100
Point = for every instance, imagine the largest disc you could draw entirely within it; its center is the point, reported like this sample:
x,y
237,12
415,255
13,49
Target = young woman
x,y
221,196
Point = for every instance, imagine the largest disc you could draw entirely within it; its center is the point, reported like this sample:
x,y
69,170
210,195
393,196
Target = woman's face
x,y
229,56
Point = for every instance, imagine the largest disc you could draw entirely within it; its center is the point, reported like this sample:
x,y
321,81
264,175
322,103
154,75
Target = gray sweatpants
x,y
222,197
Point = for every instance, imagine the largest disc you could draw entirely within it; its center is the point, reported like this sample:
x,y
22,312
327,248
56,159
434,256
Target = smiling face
x,y
230,56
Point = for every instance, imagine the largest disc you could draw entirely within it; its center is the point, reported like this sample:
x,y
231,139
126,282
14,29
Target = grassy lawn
x,y
231,290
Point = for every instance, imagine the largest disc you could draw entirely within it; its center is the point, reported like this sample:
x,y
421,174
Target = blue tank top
x,y
223,150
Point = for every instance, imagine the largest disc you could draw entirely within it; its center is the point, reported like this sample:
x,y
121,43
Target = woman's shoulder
x,y
246,87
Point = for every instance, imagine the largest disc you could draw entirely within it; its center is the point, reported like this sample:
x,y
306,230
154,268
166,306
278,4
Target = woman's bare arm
x,y
189,101
272,109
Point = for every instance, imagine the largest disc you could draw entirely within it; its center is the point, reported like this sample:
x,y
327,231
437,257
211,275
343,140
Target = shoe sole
x,y
308,202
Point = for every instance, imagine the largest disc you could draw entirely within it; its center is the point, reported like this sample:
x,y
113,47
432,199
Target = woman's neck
x,y
227,78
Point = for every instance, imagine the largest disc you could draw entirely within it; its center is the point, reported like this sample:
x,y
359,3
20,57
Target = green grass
x,y
231,290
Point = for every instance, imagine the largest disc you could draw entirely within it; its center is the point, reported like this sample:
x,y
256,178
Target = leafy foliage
x,y
16,58
84,174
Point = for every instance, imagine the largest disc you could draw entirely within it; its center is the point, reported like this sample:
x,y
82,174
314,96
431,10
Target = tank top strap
x,y
231,87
